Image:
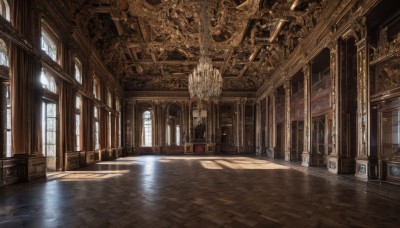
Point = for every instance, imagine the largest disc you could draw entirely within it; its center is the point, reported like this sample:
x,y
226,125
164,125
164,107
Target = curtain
x,y
22,72
67,119
25,85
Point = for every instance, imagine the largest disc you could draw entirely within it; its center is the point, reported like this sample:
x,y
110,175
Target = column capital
x,y
306,69
287,85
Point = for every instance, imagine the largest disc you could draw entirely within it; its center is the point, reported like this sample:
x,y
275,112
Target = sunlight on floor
x,y
91,175
221,164
210,165
214,162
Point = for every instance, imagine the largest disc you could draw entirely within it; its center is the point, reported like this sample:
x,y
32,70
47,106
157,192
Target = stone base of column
x,y
210,148
333,164
258,151
305,159
362,167
287,155
271,153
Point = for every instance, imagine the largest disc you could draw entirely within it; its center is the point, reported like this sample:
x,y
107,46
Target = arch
x,y
5,9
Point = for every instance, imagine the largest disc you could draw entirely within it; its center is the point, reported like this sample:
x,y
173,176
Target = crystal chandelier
x,y
205,81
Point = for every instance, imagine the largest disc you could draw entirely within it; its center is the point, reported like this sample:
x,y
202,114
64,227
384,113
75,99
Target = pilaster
x,y
333,158
271,150
362,162
287,87
258,129
307,116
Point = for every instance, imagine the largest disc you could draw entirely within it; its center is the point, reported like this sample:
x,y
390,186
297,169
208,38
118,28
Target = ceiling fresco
x,y
153,45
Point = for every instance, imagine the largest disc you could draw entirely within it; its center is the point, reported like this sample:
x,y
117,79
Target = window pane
x,y
51,124
48,46
43,127
147,128
78,102
77,132
51,138
51,110
77,124
3,54
8,152
48,81
8,118
51,150
78,75
178,135
95,113
96,136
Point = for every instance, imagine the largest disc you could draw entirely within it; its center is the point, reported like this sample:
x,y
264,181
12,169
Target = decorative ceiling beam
x,y
179,62
251,59
227,59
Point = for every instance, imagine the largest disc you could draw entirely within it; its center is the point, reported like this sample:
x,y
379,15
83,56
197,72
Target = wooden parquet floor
x,y
197,191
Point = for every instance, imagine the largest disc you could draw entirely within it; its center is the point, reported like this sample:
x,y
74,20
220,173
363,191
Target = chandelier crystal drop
x,y
205,81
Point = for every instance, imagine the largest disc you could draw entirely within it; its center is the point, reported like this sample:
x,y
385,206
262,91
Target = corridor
x,y
197,191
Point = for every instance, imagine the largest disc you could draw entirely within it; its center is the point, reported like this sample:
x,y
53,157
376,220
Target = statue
x,y
199,131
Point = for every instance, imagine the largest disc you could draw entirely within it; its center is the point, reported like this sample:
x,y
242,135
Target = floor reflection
x,y
194,191
88,175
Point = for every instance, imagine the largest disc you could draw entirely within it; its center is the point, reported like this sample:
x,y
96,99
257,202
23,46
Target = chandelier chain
x,y
205,81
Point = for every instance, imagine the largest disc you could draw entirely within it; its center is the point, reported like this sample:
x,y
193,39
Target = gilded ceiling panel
x,y
154,44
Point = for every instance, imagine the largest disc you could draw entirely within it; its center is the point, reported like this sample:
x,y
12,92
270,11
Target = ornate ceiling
x,y
154,44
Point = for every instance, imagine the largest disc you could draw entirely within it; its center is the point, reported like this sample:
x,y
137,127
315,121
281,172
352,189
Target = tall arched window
x,y
48,81
5,9
6,118
5,107
96,88
49,44
78,105
3,54
147,124
96,128
78,71
178,135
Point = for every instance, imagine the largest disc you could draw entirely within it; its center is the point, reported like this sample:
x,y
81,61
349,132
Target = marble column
x,y
307,116
272,144
333,158
217,131
190,127
258,129
242,123
288,133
